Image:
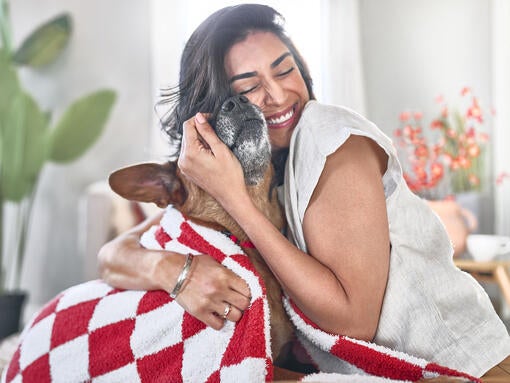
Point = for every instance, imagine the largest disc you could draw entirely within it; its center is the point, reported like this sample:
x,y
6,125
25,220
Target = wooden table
x,y
495,271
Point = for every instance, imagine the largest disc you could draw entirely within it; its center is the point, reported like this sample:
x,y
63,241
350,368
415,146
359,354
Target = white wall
x,y
501,92
109,48
415,50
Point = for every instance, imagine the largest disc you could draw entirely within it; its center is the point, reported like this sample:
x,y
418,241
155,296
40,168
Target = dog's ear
x,y
149,182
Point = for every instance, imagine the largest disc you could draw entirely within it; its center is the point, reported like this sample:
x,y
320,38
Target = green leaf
x,y
80,126
45,44
37,142
9,84
24,146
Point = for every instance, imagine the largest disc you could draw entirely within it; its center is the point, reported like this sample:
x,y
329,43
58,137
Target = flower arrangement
x,y
448,157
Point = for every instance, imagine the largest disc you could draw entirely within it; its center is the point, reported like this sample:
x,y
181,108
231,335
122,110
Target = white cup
x,y
484,247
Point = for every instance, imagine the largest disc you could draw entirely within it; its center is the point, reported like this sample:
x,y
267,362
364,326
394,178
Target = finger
x,y
223,309
189,134
227,311
206,131
241,302
234,315
214,321
240,286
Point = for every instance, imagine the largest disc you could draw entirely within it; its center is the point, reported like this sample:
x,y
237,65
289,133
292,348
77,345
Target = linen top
x,y
431,309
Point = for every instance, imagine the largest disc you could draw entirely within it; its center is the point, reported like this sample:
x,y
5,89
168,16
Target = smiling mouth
x,y
283,119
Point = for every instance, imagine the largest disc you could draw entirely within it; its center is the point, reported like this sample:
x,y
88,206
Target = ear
x,y
149,182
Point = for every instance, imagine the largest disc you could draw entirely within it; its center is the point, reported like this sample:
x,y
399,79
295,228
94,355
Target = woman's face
x,y
262,68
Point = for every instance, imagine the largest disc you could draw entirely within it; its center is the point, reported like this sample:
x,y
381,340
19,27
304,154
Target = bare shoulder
x,y
358,152
350,187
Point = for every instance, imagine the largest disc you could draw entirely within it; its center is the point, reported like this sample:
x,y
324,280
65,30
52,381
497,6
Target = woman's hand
x,y
210,289
209,163
207,291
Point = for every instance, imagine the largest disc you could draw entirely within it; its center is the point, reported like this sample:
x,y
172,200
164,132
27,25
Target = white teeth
x,y
281,119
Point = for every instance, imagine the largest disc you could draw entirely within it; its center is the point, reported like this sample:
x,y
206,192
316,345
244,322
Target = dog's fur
x,y
242,127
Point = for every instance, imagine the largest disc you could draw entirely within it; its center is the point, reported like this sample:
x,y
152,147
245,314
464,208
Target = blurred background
x,y
378,57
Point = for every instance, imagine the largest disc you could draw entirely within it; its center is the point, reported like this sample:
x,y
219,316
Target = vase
x,y
459,222
11,308
470,201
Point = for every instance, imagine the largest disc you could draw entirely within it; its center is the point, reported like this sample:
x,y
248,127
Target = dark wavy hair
x,y
203,83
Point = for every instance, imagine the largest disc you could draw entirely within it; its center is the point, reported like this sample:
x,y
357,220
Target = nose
x,y
274,93
233,103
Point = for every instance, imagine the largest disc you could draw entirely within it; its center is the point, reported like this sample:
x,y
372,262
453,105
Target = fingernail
x,y
199,117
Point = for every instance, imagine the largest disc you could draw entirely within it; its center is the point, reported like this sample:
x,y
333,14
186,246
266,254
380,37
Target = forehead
x,y
257,51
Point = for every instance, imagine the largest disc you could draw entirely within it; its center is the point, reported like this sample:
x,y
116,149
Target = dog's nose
x,y
228,106
232,102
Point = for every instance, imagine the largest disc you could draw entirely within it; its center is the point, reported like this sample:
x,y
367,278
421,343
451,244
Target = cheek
x,y
256,98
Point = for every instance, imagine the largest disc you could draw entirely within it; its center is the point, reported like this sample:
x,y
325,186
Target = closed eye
x,y
248,90
283,74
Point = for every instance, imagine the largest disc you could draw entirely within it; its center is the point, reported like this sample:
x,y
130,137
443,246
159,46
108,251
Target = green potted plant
x,y
29,137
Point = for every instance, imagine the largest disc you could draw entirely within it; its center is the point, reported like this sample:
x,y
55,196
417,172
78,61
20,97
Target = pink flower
x,y
475,112
437,171
404,116
421,151
448,159
436,124
451,133
465,90
464,162
473,150
484,137
474,180
408,131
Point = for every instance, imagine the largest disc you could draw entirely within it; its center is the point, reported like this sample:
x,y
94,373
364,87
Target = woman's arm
x,y
125,264
341,286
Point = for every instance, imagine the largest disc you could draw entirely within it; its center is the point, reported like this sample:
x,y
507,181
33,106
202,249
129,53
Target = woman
x,y
366,259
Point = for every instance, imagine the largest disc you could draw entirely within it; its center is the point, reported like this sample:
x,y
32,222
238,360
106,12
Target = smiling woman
x,y
264,70
327,33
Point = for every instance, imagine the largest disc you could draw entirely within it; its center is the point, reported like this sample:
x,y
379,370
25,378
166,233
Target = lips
x,y
282,119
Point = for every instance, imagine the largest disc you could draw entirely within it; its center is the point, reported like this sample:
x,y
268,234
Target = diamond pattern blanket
x,y
95,333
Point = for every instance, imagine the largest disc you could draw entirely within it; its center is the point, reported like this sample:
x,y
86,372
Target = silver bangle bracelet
x,y
182,276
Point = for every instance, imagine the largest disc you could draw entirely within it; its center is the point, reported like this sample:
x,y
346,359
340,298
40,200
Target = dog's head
x,y
242,127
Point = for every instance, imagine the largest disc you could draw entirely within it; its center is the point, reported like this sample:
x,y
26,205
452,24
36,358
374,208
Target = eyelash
x,y
283,74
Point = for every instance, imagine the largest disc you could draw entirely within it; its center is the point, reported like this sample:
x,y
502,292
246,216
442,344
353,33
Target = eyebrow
x,y
274,64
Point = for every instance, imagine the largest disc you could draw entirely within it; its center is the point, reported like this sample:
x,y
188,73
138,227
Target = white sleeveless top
x,y
431,309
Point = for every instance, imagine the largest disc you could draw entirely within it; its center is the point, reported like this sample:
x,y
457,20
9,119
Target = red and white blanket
x,y
95,333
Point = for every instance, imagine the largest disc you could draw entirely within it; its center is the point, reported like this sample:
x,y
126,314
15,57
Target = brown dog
x,y
94,332
242,127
